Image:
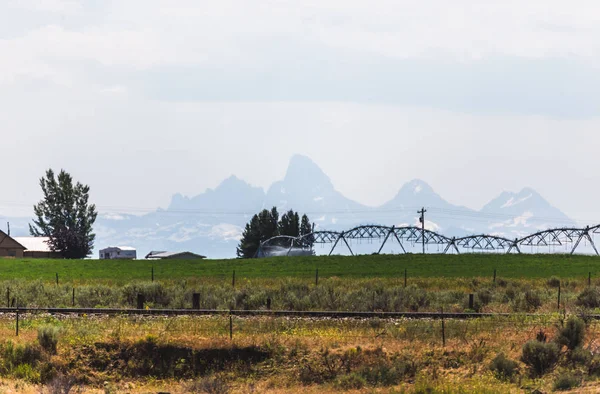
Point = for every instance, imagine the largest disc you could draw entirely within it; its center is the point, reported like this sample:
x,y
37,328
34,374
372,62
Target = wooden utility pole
x,y
422,220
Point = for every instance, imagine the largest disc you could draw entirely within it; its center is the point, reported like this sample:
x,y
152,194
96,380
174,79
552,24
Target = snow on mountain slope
x,y
518,214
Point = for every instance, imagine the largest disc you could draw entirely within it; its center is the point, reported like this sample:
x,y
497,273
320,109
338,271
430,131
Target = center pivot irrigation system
x,y
303,245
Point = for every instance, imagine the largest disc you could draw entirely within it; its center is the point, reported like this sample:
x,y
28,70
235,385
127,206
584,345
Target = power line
x,y
438,211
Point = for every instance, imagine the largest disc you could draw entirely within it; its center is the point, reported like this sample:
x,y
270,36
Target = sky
x,y
142,99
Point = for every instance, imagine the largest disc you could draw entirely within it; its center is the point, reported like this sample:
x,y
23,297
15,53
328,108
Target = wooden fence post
x,y
471,298
73,296
140,301
196,301
269,303
443,330
17,319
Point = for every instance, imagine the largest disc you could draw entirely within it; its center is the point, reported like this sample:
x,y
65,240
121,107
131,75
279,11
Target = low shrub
x,y
503,367
15,355
26,372
61,384
589,298
580,356
572,334
484,296
541,336
385,374
48,338
553,282
209,385
540,357
532,300
594,366
566,381
351,381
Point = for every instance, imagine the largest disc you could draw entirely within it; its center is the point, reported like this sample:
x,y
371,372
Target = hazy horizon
x,y
145,99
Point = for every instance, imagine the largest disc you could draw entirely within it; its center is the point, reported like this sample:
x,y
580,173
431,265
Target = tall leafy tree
x,y
65,216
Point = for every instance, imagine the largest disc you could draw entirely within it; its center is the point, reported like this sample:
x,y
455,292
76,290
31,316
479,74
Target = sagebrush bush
x,y
553,281
572,334
580,356
351,381
376,367
209,385
540,357
503,367
48,337
533,300
589,298
387,374
60,384
484,296
14,355
566,381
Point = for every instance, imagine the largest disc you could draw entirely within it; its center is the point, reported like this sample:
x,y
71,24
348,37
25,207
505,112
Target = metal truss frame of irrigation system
x,y
564,236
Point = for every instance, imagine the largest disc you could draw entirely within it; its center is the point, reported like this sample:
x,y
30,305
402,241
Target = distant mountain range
x,y
211,223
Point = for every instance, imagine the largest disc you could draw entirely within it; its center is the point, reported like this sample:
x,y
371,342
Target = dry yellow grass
x,y
460,366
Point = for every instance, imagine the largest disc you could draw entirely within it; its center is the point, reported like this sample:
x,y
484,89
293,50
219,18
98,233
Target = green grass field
x,y
370,266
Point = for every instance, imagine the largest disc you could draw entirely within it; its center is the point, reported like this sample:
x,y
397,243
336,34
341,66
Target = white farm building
x,y
118,252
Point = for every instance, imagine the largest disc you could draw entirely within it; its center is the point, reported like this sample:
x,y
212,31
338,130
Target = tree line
x,y
267,224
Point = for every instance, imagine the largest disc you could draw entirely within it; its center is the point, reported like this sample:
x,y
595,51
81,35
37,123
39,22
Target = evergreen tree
x,y
250,239
65,216
289,224
261,227
268,223
265,225
305,229
305,226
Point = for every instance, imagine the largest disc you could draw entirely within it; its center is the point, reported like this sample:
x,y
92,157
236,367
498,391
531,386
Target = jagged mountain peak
x,y
202,225
302,171
231,193
232,183
525,198
417,193
416,187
